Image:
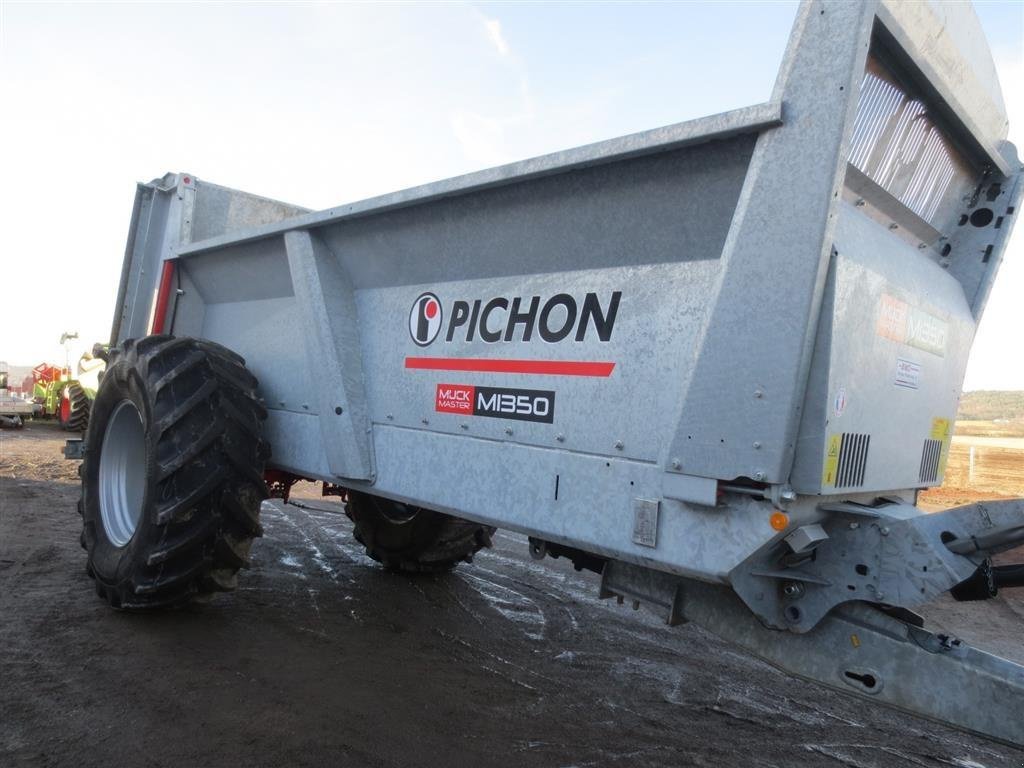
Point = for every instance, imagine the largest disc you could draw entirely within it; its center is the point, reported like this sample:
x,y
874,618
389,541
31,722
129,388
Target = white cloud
x,y
493,27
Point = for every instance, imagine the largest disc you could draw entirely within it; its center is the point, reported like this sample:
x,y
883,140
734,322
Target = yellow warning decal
x,y
941,431
831,460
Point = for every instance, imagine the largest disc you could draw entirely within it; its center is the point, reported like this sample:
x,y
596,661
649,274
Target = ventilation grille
x,y
930,461
853,458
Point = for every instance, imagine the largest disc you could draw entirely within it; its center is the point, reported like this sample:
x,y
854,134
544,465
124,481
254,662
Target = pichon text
x,y
525,319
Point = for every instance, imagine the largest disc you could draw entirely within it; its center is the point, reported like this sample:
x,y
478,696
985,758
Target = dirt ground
x,y
322,658
979,467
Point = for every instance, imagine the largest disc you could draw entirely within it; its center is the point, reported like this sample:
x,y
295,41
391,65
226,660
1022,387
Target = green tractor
x,y
69,400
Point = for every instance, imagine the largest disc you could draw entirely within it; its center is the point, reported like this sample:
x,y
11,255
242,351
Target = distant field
x,y
990,405
1002,428
995,471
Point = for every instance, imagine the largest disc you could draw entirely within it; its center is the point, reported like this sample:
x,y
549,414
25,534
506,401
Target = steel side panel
x,y
513,486
649,228
855,387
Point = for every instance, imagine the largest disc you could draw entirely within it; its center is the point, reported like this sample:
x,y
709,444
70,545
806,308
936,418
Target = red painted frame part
x,y
163,297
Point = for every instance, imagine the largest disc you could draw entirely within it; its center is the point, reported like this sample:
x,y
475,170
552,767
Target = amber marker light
x,y
779,521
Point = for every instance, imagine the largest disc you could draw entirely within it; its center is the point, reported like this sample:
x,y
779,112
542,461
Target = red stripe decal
x,y
490,365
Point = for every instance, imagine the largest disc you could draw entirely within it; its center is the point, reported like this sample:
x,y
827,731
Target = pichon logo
x,y
425,319
558,318
496,402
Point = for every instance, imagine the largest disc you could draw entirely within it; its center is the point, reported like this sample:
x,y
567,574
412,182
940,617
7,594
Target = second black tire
x,y
78,408
413,539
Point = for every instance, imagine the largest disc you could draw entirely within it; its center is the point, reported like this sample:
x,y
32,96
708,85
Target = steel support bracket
x,y
857,649
326,302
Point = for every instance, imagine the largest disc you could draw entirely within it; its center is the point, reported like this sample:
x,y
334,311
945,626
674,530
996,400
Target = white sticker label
x,y
839,404
908,374
645,522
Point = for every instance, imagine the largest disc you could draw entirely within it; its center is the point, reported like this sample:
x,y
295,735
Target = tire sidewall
x,y
113,564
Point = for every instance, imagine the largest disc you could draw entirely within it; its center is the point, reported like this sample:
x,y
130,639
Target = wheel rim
x,y
397,513
122,473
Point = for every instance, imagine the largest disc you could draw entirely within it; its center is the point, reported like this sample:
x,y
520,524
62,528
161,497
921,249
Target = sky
x,y
322,104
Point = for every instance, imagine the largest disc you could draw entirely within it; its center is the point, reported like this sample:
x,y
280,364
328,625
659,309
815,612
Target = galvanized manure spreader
x,y
714,362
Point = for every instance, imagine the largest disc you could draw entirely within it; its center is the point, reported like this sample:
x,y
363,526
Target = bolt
x,y
339,410
788,495
425,421
879,595
676,464
793,589
180,292
884,531
560,437
894,226
464,426
759,475
508,430
854,526
618,444
860,202
757,444
281,403
306,406
390,417
758,394
921,246
636,605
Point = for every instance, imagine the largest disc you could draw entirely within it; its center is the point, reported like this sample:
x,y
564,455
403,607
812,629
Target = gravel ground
x,y
322,658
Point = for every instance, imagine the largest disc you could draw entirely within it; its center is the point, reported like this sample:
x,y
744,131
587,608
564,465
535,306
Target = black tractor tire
x,y
412,539
199,484
78,420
